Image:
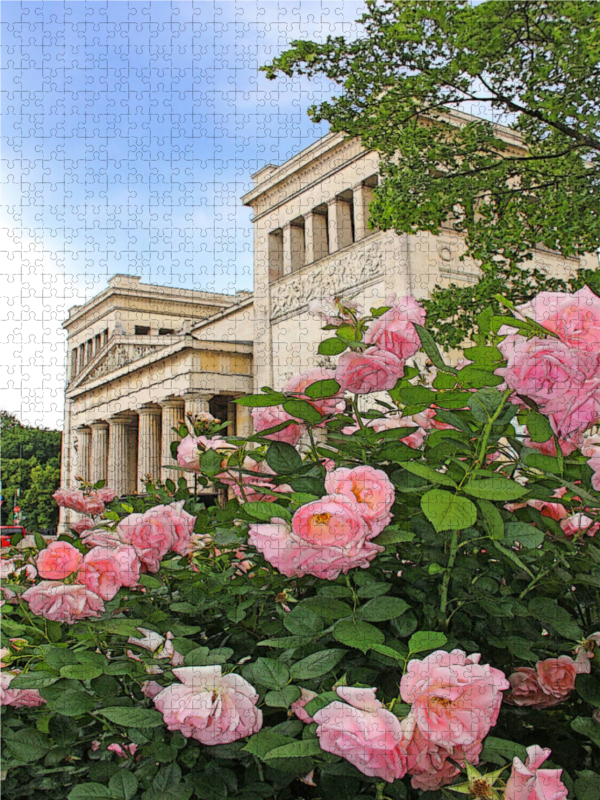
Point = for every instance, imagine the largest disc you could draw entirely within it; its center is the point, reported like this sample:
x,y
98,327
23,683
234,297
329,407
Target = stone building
x,y
141,356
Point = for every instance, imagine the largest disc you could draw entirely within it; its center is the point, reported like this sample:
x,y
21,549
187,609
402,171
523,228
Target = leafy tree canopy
x,y
535,66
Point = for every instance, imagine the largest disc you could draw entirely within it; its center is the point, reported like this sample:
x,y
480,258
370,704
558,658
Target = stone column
x,y
149,444
197,403
293,248
118,454
315,236
132,443
340,224
362,196
231,416
84,453
99,451
172,413
243,423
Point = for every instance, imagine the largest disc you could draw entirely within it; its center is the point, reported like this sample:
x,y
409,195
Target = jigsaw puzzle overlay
x,y
301,552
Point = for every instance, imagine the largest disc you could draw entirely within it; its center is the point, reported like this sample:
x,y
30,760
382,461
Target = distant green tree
x,y
536,64
30,461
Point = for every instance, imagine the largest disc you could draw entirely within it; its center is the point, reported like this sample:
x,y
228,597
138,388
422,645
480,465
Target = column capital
x,y
171,402
123,418
99,425
83,429
192,394
149,411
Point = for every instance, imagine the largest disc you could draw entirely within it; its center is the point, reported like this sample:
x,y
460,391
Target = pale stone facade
x,y
142,356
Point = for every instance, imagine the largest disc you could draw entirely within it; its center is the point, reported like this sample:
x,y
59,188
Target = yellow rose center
x,y
322,519
481,788
441,701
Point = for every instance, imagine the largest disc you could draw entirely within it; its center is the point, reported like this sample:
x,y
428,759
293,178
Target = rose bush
x,y
406,603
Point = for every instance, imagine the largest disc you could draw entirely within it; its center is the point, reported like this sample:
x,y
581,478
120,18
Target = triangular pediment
x,y
118,355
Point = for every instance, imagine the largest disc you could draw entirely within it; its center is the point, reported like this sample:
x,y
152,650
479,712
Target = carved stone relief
x,y
339,273
119,356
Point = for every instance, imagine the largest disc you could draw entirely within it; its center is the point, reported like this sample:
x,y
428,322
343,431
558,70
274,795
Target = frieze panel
x,y
119,356
307,175
348,270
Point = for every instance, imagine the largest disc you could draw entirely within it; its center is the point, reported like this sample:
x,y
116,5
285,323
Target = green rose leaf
x,y
381,609
328,607
261,400
123,785
426,640
320,389
495,488
90,791
315,665
266,511
447,511
132,717
588,687
270,673
527,536
551,614
282,698
27,745
332,347
301,409
283,458
430,474
539,427
492,519
297,749
360,635
80,672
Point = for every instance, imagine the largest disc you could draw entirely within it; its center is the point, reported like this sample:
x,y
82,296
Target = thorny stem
x,y
488,428
447,577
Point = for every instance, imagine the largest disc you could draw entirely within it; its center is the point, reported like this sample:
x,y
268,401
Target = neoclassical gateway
x,y
142,356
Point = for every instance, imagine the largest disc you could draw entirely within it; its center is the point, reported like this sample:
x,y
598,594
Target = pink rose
x,y
335,311
106,495
75,499
567,446
556,676
18,698
157,531
432,766
590,447
394,331
574,411
326,405
427,420
584,653
101,537
106,569
371,371
542,369
579,523
62,603
311,547
370,488
191,448
298,706
555,511
58,561
159,646
364,732
210,707
575,318
81,525
125,751
455,700
525,690
529,782
254,474
151,688
269,416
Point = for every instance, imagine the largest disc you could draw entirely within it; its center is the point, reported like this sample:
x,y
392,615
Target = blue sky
x,y
129,132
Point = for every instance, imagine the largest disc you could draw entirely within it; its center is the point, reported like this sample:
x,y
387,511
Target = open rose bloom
x,y
327,537
365,733
529,782
210,707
